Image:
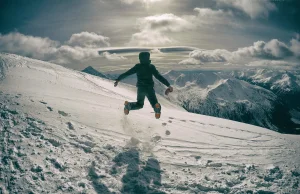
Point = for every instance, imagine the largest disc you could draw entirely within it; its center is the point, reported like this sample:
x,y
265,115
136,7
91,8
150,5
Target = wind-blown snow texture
x,y
64,131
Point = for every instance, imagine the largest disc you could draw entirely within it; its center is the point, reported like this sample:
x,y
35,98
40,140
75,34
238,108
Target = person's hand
x,y
116,83
170,89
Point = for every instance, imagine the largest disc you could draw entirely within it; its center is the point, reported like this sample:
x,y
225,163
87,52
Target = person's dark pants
x,y
143,92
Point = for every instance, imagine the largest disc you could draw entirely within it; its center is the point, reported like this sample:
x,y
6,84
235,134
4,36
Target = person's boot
x,y
157,109
126,107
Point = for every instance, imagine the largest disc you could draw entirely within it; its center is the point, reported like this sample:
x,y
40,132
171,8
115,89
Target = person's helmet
x,y
144,57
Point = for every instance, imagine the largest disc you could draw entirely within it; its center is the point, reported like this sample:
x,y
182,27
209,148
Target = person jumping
x,y
145,84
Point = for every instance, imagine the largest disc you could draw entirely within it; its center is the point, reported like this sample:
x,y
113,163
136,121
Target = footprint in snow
x,y
88,137
63,113
164,124
73,135
49,108
133,142
36,169
168,132
197,157
156,138
70,126
57,164
170,121
54,142
43,102
171,117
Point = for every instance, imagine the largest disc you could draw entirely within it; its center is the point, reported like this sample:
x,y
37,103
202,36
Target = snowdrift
x,y
64,131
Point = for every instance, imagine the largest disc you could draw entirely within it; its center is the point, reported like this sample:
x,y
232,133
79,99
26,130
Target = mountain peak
x,y
88,68
93,71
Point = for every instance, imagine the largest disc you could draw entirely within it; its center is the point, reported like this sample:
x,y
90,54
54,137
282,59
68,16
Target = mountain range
x,y
262,97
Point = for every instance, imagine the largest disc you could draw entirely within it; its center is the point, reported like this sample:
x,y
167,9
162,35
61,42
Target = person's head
x,y
144,58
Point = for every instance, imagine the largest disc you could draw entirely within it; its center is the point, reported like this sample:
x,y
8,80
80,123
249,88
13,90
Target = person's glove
x,y
168,90
116,83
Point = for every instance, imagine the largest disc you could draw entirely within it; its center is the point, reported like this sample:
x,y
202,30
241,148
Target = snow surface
x,y
64,131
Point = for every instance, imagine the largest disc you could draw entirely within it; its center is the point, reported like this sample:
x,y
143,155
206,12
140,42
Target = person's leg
x,y
154,103
152,97
141,93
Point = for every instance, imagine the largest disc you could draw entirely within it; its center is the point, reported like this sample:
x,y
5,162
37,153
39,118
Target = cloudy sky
x,y
180,34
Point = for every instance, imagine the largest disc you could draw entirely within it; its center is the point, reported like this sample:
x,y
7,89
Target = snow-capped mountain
x,y
92,71
64,131
285,84
279,81
221,95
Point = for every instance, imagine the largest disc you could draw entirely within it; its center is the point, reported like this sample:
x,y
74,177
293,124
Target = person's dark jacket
x,y
144,74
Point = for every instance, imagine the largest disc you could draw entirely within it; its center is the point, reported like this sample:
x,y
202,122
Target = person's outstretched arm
x,y
127,73
158,76
124,75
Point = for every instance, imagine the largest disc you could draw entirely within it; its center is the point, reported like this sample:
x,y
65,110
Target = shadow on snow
x,y
140,177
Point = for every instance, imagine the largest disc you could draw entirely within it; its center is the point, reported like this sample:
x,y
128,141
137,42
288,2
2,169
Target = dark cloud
x,y
146,49
253,9
287,15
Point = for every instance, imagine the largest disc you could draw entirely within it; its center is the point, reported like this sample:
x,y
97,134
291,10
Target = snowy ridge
x,y
279,81
63,131
285,84
92,71
221,95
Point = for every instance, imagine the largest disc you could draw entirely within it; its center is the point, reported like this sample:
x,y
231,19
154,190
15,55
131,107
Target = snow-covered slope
x,y
64,131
